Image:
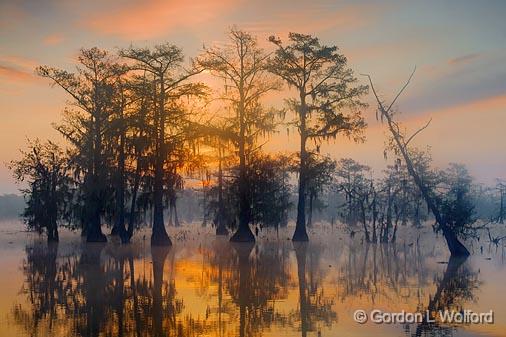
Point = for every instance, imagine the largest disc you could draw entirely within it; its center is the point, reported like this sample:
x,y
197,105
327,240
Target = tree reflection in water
x,y
380,272
245,290
454,289
314,306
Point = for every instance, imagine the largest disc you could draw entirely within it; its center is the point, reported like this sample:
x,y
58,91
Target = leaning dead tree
x,y
401,143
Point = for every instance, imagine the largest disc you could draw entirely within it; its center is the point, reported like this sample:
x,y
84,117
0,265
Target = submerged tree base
x,y
243,234
52,236
300,235
160,239
95,236
457,249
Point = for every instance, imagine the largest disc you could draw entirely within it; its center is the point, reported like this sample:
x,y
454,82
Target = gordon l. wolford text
x,y
443,316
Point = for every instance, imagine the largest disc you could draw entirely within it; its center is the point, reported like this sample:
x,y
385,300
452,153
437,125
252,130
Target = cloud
x,y
18,61
10,73
316,19
478,108
471,133
486,104
14,68
468,132
472,128
149,19
461,80
154,18
464,59
53,39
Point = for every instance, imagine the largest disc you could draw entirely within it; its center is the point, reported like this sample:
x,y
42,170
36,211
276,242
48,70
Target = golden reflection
x,y
218,288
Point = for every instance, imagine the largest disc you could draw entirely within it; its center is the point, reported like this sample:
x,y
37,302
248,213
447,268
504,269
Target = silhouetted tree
x,y
408,203
86,122
367,201
45,168
241,64
119,133
138,145
438,204
456,201
328,100
169,79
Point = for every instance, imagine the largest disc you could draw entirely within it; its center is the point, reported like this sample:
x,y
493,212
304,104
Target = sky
x,y
457,46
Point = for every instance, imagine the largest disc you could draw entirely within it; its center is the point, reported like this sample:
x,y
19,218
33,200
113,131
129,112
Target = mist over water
x,y
206,286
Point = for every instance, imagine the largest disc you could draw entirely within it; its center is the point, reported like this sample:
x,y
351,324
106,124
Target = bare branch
x,y
417,132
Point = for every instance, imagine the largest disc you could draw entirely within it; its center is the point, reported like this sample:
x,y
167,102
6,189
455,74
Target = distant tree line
x,y
141,123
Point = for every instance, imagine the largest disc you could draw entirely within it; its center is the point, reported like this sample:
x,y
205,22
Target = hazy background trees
x,y
269,192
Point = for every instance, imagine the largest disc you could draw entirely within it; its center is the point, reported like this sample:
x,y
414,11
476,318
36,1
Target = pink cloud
x,y
153,18
11,73
314,20
19,61
470,132
15,68
491,103
478,108
468,114
53,39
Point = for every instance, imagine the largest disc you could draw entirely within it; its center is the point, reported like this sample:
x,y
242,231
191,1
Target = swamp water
x,y
205,286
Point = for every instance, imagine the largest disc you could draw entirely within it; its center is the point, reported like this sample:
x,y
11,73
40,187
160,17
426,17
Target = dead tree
x,y
401,144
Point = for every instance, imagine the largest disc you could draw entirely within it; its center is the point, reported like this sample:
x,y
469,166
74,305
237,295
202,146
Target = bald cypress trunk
x,y
159,236
243,233
119,223
94,202
300,233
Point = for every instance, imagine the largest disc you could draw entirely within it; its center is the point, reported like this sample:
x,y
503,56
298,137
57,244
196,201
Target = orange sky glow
x,y
458,48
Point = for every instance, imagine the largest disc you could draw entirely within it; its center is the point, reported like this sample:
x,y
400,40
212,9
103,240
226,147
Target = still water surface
x,y
206,286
